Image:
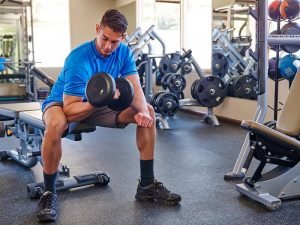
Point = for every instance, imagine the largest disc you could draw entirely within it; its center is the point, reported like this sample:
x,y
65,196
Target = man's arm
x,y
75,109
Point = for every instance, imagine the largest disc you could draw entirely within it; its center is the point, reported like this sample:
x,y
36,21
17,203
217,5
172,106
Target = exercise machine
x,y
278,144
263,40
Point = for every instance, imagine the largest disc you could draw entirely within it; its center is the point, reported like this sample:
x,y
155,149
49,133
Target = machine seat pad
x,y
272,135
34,118
12,110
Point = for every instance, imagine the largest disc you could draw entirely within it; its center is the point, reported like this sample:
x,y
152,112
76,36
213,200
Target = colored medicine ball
x,y
289,9
274,9
286,66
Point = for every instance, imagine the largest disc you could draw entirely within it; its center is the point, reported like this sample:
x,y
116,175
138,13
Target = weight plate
x,y
186,68
164,80
176,83
126,95
220,64
170,63
167,104
229,86
193,88
210,91
100,89
244,87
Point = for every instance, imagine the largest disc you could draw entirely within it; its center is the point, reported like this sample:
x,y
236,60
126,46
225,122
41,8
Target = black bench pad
x,y
12,110
272,135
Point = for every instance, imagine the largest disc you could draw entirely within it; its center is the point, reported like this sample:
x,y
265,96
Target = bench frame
x,y
28,152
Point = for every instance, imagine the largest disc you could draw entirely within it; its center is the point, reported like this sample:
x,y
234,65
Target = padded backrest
x,y
289,119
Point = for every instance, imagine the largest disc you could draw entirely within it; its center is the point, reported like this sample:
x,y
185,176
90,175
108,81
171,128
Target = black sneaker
x,y
157,192
46,211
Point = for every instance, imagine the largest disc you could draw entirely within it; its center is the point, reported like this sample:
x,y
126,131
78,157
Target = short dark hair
x,y
115,20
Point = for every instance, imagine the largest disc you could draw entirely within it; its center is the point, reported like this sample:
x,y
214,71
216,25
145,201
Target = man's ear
x,y
97,28
124,36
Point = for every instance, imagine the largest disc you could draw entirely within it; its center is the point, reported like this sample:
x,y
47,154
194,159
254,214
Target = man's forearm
x,y
77,111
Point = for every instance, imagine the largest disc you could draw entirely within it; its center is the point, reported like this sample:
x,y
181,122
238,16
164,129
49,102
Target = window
x,y
51,32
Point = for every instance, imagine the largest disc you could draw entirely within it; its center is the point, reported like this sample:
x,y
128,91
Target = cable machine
x,y
16,51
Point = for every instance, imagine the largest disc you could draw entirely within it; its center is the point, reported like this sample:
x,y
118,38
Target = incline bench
x,y
277,143
24,121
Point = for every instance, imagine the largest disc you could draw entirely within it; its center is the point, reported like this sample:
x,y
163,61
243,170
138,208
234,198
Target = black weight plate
x,y
164,80
100,89
210,91
244,87
176,83
154,97
170,63
220,64
126,95
186,68
167,104
193,88
229,86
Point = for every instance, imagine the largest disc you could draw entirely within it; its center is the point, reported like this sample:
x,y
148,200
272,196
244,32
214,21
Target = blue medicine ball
x,y
286,67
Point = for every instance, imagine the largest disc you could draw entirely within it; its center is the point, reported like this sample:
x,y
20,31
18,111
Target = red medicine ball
x,y
274,9
289,9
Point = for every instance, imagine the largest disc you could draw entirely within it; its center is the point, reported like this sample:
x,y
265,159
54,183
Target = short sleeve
x,y
129,66
75,81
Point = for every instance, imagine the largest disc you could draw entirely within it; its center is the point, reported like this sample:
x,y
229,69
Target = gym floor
x,y
191,159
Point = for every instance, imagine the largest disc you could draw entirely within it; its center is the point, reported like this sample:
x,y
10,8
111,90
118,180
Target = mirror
x,y
233,38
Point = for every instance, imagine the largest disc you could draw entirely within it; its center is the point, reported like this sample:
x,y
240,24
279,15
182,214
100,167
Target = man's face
x,y
107,40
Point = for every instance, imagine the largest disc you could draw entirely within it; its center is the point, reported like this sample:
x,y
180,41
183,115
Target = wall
x,y
84,15
129,10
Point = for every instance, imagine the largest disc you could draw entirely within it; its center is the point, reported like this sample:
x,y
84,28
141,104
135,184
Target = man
x,y
66,103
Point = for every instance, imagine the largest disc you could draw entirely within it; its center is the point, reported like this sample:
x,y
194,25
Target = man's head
x,y
111,31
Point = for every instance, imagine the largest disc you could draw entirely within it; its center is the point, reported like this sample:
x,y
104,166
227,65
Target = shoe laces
x,y
47,200
159,187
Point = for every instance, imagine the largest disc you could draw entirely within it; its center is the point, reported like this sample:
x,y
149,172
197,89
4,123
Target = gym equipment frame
x,y
278,144
24,121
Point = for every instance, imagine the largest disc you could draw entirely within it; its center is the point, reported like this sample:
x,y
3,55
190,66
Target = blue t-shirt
x,y
85,61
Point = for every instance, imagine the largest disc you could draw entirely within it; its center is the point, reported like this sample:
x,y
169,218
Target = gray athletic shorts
x,y
103,117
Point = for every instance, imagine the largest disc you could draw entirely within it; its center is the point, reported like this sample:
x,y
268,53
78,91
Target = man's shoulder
x,y
79,52
123,50
82,47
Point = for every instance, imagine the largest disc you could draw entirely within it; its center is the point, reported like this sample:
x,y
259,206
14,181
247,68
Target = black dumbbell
x,y
101,88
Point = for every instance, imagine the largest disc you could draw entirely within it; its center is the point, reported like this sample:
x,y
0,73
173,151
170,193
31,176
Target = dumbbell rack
x,y
263,41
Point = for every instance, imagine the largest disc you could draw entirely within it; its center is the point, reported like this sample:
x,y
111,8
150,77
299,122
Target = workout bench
x,y
24,121
276,143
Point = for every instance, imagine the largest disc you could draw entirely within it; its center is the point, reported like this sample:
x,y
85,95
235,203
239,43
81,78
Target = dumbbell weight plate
x,y
126,95
100,89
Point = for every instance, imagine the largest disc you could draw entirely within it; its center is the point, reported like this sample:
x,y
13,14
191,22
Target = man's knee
x,y
55,128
